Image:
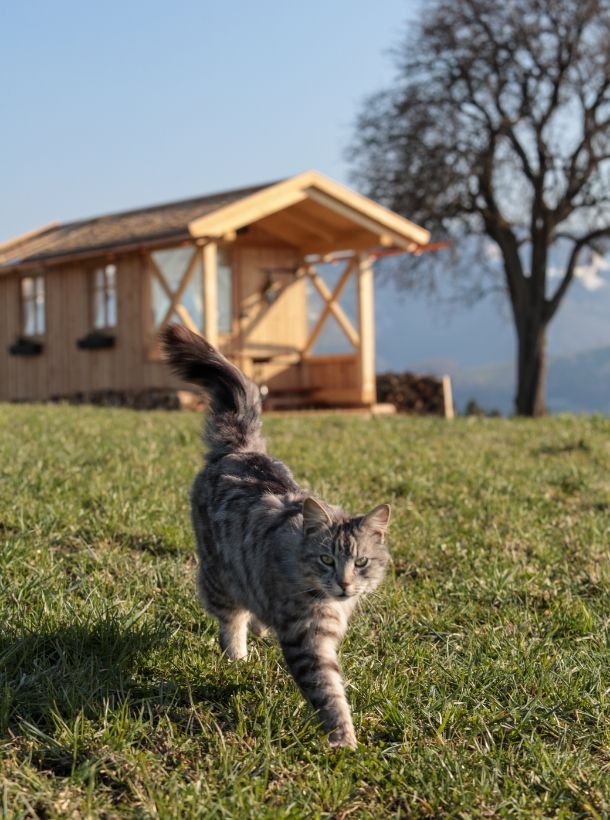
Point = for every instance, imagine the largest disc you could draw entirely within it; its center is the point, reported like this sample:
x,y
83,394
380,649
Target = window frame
x,y
227,249
25,300
105,290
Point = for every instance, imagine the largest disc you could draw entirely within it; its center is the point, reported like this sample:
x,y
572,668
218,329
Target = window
x,y
330,333
104,297
178,290
32,305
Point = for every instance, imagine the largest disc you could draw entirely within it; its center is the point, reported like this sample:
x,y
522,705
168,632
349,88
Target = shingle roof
x,y
145,225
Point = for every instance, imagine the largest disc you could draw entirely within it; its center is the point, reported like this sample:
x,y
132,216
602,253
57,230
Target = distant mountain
x,y
492,387
577,383
476,346
580,383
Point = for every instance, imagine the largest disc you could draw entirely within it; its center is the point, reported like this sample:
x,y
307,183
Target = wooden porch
x,y
314,225
279,358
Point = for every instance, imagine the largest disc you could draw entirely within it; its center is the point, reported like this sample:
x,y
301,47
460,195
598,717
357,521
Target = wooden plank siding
x,y
62,369
270,332
269,328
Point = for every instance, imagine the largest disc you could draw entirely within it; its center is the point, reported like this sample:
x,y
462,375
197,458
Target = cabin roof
x,y
310,210
141,226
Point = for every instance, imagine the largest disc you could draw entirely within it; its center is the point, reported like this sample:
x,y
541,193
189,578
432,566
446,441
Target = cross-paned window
x,y
104,297
32,305
178,292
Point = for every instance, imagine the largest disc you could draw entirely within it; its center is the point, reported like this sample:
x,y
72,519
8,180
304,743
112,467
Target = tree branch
x,y
553,303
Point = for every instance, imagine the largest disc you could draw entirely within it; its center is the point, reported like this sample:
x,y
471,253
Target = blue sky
x,y
108,106
119,104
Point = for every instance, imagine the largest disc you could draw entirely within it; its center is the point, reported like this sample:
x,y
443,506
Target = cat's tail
x,y
234,413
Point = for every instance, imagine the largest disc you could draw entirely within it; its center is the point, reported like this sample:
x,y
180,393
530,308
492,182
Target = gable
x,y
309,211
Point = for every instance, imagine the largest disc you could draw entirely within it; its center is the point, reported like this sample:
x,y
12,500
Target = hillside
x,y
478,674
476,346
577,383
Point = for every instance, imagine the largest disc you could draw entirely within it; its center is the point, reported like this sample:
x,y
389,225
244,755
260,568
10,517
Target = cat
x,y
271,555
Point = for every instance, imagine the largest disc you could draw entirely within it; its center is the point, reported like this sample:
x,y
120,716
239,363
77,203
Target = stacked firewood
x,y
150,399
410,393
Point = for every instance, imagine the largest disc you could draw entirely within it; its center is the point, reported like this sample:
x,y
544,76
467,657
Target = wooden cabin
x,y
279,276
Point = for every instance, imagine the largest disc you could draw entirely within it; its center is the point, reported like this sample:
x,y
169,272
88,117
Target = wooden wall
x,y
267,337
62,369
275,328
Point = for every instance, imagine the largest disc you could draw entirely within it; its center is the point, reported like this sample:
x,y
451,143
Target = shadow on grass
x,y
561,449
89,669
152,544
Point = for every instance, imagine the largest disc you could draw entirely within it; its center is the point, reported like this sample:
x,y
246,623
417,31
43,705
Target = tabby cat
x,y
270,554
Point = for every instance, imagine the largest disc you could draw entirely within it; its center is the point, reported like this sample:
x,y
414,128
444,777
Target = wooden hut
x,y
279,276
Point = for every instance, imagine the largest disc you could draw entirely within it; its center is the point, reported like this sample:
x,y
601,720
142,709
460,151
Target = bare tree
x,y
499,126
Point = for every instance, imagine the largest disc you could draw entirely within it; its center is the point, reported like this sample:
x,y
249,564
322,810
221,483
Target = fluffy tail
x,y
233,419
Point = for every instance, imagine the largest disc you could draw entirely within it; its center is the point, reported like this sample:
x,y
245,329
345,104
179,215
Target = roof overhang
x,y
315,213
309,212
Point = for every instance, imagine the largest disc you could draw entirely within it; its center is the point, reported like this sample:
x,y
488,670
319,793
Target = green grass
x,y
479,674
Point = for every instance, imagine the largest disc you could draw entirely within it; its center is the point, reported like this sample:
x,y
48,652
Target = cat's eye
x,y
361,562
327,559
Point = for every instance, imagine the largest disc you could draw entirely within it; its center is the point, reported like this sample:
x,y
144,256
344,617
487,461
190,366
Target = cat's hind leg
x,y
257,627
233,621
234,633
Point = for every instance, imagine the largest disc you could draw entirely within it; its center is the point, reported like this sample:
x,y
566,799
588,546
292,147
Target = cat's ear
x,y
377,520
315,516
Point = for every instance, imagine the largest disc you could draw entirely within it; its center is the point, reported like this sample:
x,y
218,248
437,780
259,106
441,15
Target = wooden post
x,y
210,293
366,316
448,398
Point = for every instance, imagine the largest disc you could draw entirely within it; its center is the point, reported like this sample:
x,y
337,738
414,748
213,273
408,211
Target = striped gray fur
x,y
271,555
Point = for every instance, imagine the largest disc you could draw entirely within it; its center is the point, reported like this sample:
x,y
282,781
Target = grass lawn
x,y
479,673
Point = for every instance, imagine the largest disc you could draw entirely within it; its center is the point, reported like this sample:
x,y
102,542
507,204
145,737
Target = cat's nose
x,y
344,584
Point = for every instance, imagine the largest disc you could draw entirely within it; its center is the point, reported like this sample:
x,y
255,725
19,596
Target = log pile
x,y
411,393
148,399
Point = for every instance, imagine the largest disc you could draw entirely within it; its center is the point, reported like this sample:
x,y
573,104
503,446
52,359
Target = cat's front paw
x,y
236,656
341,738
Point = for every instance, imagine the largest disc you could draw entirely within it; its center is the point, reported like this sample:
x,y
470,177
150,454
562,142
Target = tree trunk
x,y
531,369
